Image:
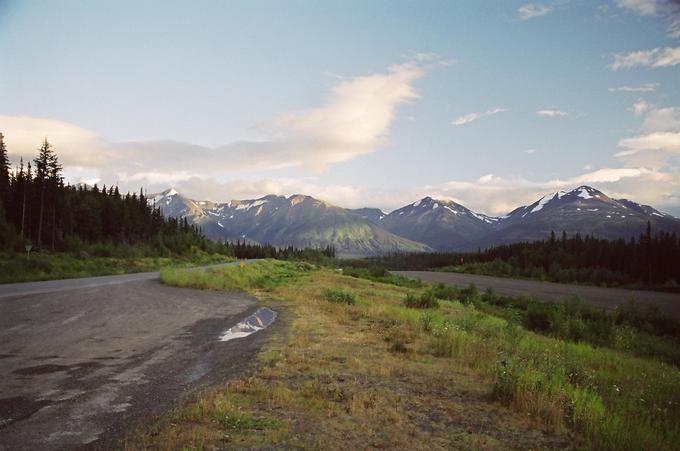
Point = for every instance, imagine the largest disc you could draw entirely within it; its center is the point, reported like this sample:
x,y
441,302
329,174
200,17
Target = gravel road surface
x,y
83,361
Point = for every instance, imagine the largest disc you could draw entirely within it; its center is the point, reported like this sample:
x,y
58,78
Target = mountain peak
x,y
586,192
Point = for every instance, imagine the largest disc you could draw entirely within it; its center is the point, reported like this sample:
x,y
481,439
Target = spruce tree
x,y
4,172
49,180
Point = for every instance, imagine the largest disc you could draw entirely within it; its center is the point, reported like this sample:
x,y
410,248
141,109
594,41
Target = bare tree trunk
x,y
40,220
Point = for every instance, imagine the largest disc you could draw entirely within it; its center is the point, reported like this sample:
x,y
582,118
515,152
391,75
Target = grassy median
x,y
357,368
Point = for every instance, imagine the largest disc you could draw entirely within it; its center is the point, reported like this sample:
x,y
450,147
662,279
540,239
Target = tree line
x,y
38,208
651,259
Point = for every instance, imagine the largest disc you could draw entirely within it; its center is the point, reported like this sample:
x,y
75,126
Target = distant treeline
x,y
37,208
652,259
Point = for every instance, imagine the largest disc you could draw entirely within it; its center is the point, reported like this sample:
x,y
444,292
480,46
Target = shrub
x,y
340,296
540,317
469,294
425,300
441,291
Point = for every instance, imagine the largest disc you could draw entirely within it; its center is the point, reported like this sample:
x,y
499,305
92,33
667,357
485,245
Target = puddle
x,y
259,320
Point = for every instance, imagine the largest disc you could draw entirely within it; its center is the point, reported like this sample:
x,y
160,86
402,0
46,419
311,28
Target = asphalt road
x,y
602,297
83,361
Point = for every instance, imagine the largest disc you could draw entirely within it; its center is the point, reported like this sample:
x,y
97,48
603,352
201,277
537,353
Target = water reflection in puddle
x,y
259,320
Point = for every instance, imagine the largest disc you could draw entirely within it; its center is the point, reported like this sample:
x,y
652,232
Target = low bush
x,y
340,296
425,300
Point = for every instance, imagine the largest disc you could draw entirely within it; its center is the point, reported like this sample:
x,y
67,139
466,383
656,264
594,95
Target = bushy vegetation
x,y
406,366
648,261
425,299
641,331
376,273
340,296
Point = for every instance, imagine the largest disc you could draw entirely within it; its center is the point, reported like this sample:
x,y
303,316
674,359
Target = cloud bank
x,y
354,120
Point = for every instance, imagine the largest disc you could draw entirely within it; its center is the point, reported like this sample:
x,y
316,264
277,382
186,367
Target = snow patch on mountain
x,y
583,193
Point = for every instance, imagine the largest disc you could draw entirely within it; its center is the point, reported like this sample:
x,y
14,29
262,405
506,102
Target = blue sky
x,y
490,103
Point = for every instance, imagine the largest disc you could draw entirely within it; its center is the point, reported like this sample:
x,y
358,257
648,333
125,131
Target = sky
x,y
489,103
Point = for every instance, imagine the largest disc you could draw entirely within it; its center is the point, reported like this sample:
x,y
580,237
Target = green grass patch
x,y
245,422
426,299
380,274
16,267
340,296
258,275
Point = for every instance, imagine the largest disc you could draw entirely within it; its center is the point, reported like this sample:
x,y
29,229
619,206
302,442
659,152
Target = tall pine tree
x,y
48,178
4,172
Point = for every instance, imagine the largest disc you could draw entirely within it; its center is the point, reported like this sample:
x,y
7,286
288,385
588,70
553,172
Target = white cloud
x,y
533,10
645,87
471,117
354,120
641,7
664,141
640,107
530,151
658,57
552,112
669,10
662,120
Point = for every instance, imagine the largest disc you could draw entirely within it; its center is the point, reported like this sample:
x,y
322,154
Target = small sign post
x,y
28,248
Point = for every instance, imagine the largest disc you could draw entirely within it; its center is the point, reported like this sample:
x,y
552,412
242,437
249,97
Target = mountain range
x,y
426,225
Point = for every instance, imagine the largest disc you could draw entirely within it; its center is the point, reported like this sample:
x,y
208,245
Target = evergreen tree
x,y
4,172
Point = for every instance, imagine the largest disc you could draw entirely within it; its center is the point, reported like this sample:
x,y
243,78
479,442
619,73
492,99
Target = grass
x,y
375,373
261,275
380,274
340,296
49,266
426,299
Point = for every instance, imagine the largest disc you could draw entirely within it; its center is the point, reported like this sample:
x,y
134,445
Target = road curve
x,y
601,297
84,360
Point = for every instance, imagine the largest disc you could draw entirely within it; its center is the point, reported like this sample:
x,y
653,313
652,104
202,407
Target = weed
x,y
425,300
340,296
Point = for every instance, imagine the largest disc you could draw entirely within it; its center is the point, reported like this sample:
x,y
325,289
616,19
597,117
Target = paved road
x,y
601,297
82,361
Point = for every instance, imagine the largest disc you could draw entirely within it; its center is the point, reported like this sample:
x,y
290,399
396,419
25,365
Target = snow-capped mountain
x,y
297,220
583,210
441,224
423,225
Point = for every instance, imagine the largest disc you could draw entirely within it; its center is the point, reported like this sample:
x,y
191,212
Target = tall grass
x,y
262,274
617,400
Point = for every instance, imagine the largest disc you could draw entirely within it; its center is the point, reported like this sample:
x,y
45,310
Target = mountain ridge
x,y
424,225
